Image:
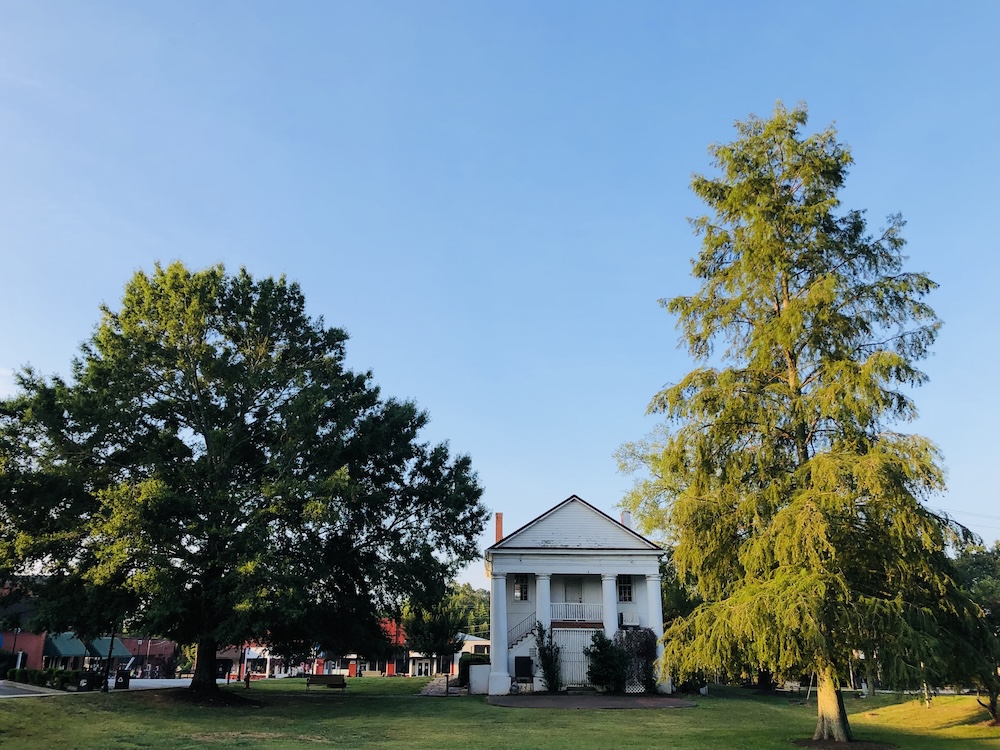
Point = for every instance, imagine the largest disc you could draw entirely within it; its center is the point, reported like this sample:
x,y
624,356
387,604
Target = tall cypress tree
x,y
794,506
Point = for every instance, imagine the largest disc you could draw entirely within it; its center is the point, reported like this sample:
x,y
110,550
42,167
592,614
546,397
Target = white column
x,y
654,614
543,608
499,672
609,588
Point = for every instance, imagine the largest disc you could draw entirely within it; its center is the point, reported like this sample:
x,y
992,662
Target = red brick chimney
x,y
499,526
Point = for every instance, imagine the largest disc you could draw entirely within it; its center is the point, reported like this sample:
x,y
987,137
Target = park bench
x,y
330,680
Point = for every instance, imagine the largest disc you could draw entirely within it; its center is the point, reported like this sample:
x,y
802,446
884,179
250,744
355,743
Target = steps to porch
x,y
562,614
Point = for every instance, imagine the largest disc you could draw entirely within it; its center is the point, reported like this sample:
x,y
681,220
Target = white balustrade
x,y
577,612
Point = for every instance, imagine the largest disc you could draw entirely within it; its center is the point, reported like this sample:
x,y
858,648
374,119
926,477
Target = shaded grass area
x,y
386,713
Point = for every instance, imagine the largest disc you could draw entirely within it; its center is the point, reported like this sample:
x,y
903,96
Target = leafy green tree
x,y
979,573
475,607
433,630
791,503
607,663
213,458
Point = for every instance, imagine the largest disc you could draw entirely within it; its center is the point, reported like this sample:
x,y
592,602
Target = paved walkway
x,y
436,687
20,690
587,701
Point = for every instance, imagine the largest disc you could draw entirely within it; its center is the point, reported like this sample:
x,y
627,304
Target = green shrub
x,y
464,662
548,659
640,646
609,664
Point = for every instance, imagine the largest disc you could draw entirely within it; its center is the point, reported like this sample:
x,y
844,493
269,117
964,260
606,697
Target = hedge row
x,y
52,678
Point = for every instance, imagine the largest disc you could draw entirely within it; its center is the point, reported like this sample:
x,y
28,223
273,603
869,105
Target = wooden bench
x,y
330,680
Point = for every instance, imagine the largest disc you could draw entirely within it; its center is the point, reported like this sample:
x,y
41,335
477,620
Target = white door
x,y
574,590
573,664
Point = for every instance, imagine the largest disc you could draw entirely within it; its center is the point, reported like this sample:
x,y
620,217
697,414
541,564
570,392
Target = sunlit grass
x,y
387,713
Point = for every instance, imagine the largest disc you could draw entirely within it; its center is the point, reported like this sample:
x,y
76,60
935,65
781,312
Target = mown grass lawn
x,y
385,713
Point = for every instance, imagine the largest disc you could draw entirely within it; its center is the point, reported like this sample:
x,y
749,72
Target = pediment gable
x,y
574,524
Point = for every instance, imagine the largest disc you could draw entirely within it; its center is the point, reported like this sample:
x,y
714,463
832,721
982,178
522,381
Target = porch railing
x,y
577,612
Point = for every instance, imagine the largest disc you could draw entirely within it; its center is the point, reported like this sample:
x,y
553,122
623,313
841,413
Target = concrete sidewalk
x,y
436,687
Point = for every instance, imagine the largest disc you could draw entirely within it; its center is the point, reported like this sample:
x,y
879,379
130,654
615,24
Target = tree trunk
x,y
991,706
831,723
204,669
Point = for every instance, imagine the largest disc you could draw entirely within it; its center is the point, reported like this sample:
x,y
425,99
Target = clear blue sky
x,y
490,196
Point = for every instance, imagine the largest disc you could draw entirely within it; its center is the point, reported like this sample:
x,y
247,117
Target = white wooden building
x,y
576,570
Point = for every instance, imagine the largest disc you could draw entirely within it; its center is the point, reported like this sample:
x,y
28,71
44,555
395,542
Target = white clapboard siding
x,y
575,525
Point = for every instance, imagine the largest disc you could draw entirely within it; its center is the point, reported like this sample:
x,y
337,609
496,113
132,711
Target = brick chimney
x,y
499,526
626,519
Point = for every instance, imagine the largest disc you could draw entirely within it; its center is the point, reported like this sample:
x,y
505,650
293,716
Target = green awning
x,y
99,648
64,645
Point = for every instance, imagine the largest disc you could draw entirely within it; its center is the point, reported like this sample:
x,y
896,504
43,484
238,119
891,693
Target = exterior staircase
x,y
521,631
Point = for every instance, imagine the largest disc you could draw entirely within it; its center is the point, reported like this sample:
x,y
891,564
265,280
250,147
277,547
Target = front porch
x,y
606,602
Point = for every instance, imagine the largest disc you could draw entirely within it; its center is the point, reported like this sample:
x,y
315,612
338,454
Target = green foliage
x,y
214,473
185,661
609,663
639,645
978,572
678,599
58,679
475,607
548,659
792,506
467,660
433,630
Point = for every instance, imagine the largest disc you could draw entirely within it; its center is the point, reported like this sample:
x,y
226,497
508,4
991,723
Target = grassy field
x,y
385,713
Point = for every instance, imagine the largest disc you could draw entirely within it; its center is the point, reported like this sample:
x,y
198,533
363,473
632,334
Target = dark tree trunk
x,y
991,705
831,723
204,669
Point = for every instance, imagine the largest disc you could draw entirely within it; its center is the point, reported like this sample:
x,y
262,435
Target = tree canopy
x,y
979,574
791,501
214,464
474,604
434,629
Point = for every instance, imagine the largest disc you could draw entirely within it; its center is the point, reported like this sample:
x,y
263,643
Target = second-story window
x,y
521,587
624,588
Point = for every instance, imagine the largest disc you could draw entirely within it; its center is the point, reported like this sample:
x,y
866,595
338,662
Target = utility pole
x,y
17,654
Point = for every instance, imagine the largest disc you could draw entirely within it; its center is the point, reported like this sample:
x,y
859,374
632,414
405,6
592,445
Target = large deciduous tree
x,y
792,503
434,629
213,457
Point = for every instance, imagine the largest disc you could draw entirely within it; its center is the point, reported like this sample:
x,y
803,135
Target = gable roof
x,y
574,524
